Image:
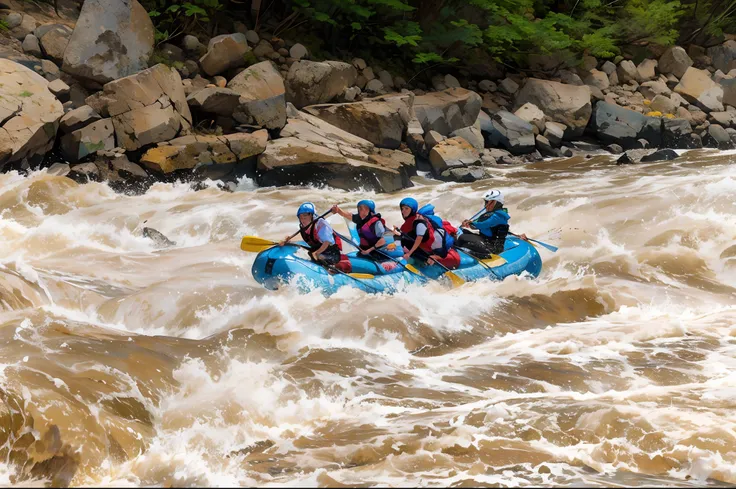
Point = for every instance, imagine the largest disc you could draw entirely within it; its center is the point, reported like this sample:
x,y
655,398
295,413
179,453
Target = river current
x,y
126,364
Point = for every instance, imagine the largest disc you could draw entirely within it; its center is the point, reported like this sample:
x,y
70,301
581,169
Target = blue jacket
x,y
489,220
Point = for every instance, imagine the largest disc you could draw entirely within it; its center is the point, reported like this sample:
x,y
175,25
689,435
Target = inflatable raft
x,y
290,264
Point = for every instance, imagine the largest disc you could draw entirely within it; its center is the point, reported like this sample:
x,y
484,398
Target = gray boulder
x,y
618,125
511,132
223,53
311,82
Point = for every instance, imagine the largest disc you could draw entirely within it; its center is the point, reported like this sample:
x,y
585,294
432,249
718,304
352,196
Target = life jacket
x,y
310,237
367,231
410,229
498,232
444,228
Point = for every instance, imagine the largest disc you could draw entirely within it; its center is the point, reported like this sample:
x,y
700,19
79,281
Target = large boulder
x,y
90,139
448,110
382,121
675,61
617,125
511,132
29,114
532,114
717,137
471,134
223,53
262,96
214,100
627,71
567,104
313,151
597,79
698,88
728,85
311,82
724,56
453,153
192,151
112,39
676,133
54,39
146,108
78,118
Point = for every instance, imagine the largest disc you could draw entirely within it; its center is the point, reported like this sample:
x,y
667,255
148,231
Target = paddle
x,y
455,279
408,266
255,244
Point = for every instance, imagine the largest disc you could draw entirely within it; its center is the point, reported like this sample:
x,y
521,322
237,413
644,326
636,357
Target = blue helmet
x,y
410,203
306,208
369,204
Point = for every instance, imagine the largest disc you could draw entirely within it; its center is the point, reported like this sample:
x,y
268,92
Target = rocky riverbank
x,y
109,106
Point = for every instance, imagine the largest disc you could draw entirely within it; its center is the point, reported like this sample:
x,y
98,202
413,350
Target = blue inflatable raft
x,y
277,266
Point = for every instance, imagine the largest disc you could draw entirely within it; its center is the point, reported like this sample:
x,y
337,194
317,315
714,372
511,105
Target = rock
x,y
215,100
31,46
438,83
567,104
368,74
386,79
252,37
471,134
697,116
627,71
608,68
359,63
554,132
588,63
224,53
447,111
570,78
698,88
374,86
85,172
262,96
432,138
191,44
298,51
310,82
20,30
78,118
532,114
511,132
675,61
723,56
54,39
158,238
383,121
59,89
509,86
613,79
545,148
171,52
146,108
596,93
614,149
651,89
400,83
647,69
112,39
487,86
351,94
663,104
122,175
49,70
264,49
29,114
677,99
464,175
672,81
729,91
451,81
725,119
597,79
453,153
59,169
191,151
614,124
660,155
417,146
717,137
12,19
88,140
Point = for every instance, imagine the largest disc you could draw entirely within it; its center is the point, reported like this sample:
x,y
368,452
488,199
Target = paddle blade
x,y
362,275
548,246
412,269
456,281
254,244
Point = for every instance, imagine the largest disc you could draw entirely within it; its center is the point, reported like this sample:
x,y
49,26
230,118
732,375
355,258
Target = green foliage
x,y
4,26
173,17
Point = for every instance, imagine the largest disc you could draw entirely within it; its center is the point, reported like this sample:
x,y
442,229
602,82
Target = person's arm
x,y
316,254
493,220
380,230
417,243
336,210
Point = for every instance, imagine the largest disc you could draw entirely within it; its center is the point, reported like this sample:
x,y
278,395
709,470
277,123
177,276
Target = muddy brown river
x,y
123,364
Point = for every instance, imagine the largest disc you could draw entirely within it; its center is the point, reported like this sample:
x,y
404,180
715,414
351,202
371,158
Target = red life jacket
x,y
367,231
310,237
410,229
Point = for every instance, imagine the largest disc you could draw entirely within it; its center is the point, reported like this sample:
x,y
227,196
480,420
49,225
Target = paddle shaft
x,y
347,240
404,235
308,226
548,246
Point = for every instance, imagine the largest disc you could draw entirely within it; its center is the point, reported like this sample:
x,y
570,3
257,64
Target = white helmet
x,y
493,195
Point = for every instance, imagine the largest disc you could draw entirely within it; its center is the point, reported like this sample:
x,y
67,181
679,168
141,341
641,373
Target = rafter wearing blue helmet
x,y
324,245
371,228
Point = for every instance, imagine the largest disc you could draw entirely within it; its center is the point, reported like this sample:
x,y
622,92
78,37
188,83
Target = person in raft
x,y
492,226
371,228
421,240
325,246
